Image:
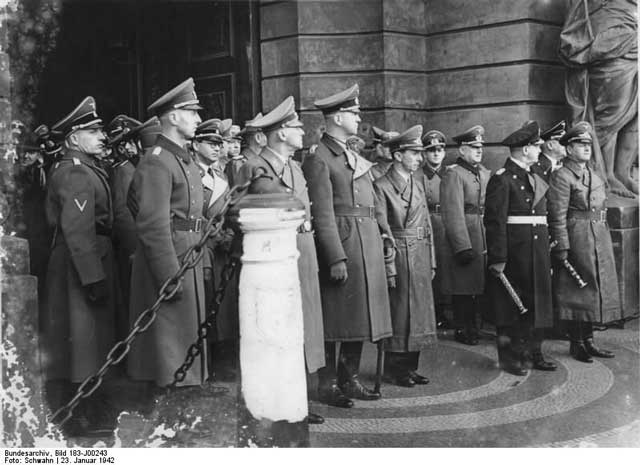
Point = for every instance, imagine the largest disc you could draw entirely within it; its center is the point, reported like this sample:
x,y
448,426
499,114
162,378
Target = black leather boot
x,y
539,363
596,351
354,389
579,352
331,394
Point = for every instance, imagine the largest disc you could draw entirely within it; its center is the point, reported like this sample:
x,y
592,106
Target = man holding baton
x,y
518,254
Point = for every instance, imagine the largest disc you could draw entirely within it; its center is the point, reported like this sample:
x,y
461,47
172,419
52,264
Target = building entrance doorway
x,y
126,53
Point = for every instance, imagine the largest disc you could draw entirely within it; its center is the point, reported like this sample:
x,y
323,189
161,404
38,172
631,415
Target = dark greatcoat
x,y
512,191
78,333
124,238
431,180
412,307
358,309
589,245
463,187
544,167
215,187
233,167
166,185
289,179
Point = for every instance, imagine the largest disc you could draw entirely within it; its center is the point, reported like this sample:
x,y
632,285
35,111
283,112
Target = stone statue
x,y
598,44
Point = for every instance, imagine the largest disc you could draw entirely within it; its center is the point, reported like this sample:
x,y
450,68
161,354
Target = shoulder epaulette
x,y
500,171
157,150
76,161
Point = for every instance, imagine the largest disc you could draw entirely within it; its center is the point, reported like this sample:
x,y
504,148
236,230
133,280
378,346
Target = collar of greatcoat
x,y
399,183
358,164
277,164
430,172
167,144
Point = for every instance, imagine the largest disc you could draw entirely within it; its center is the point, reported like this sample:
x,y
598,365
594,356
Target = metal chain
x,y
195,349
166,292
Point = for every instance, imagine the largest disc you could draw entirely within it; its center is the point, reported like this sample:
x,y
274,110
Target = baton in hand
x,y
574,273
512,293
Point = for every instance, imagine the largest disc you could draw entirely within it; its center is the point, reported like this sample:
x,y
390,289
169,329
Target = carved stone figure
x,y
598,44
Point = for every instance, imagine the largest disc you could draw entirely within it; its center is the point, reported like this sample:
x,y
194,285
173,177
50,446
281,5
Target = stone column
x,y
274,389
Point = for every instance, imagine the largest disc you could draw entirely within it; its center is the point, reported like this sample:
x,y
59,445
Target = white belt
x,y
527,220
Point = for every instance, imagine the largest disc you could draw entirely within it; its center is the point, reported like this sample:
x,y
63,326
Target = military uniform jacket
x,y
513,191
166,187
431,180
358,309
232,168
78,333
124,237
544,167
462,195
412,305
577,190
289,179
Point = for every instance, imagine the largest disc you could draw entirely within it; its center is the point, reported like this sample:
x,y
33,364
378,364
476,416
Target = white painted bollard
x,y
272,363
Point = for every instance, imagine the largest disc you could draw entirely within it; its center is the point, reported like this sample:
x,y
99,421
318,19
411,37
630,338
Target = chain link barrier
x,y
167,291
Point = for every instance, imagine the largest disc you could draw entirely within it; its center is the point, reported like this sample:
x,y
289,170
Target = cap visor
x,y
193,106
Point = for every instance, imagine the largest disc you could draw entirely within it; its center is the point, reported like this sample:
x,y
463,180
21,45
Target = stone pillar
x,y
23,412
273,385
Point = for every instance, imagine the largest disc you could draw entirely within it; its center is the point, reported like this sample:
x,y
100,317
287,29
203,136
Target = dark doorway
x,y
127,53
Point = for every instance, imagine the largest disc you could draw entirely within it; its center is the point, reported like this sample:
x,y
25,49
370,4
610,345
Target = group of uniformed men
x,y
385,240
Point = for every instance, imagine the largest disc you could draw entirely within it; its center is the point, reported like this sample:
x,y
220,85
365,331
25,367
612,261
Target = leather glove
x,y
559,255
464,257
338,272
497,268
391,282
389,250
97,292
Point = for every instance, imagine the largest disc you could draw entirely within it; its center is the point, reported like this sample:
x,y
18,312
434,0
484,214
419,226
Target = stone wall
x,y
444,64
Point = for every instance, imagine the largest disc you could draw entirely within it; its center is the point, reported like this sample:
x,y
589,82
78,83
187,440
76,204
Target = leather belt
x,y
413,233
435,208
473,209
305,227
362,212
194,225
527,219
593,215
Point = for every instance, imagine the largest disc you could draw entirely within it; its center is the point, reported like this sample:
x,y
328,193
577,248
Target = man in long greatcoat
x,y
283,131
406,219
578,223
81,289
463,265
127,152
430,176
344,211
224,339
165,199
518,246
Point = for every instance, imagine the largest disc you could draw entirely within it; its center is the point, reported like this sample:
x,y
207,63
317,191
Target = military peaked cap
x,y
148,132
181,97
84,116
48,141
347,100
119,127
231,132
554,132
282,116
411,139
380,135
433,139
528,134
209,130
472,136
249,127
580,132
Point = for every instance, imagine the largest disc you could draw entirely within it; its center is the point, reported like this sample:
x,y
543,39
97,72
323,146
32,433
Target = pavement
x,y
469,402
